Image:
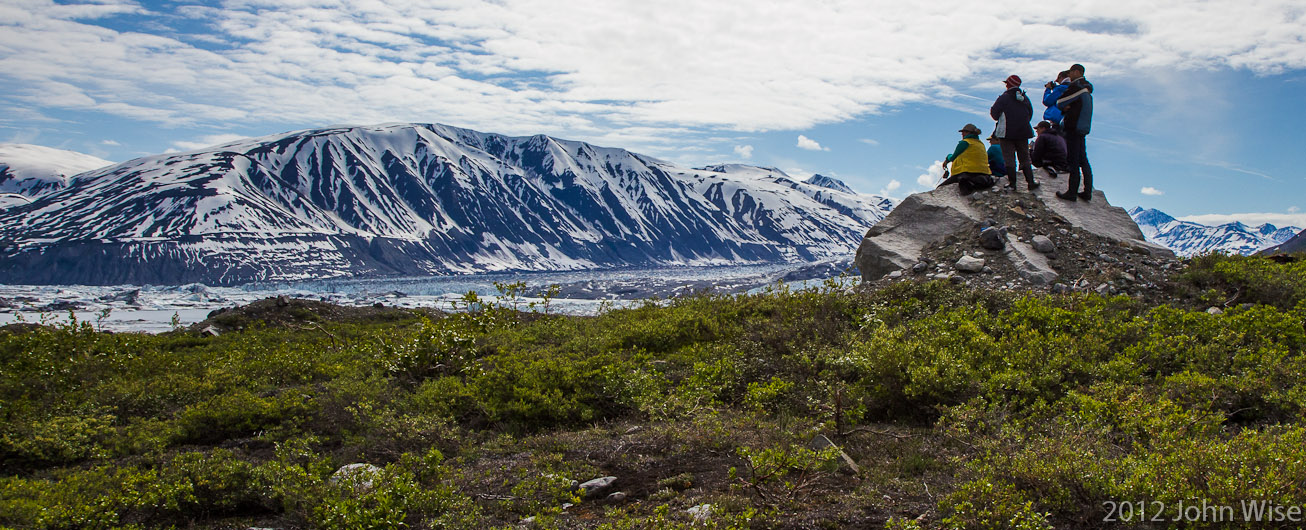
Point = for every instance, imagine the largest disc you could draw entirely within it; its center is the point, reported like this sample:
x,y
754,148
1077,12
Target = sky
x,y
1194,100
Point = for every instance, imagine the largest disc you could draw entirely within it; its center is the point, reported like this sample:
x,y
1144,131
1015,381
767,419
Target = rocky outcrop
x,y
1019,238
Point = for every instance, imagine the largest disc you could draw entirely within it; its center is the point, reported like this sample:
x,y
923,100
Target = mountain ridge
x,y
1187,238
415,199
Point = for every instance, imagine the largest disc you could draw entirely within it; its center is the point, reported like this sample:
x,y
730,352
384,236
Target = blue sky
x,y
1196,101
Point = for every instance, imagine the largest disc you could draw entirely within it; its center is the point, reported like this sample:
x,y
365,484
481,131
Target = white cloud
x,y
1251,219
869,141
932,176
583,66
744,151
891,187
810,144
1293,209
1148,190
110,143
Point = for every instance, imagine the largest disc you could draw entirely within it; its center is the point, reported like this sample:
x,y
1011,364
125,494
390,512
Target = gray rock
x,y
895,275
700,513
359,477
210,331
596,487
1060,288
970,264
1042,244
1214,310
1104,289
1031,265
617,496
920,267
992,239
846,463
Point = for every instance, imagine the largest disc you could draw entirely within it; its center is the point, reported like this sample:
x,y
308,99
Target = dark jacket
x,y
1012,110
1050,97
1049,147
1077,106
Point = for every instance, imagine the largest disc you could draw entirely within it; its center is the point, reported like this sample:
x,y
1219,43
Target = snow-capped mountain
x,y
1187,238
1293,245
28,171
405,199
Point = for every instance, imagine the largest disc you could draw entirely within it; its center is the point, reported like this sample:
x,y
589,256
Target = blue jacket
x,y
1077,106
1013,111
997,166
1050,97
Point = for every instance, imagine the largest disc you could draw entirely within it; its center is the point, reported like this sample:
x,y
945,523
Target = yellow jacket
x,y
970,157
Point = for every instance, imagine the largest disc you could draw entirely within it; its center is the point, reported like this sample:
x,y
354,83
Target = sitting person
x,y
1049,151
970,164
997,167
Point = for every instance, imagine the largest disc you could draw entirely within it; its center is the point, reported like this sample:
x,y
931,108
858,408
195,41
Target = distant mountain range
x,y
27,171
1187,238
409,199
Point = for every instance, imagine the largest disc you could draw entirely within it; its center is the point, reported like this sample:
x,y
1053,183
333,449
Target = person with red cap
x,y
1013,111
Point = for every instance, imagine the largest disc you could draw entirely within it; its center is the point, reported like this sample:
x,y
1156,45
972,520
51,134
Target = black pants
x,y
1011,151
968,183
1077,160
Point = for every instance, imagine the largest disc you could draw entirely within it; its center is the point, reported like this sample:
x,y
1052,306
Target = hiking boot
x,y
1086,196
1066,195
1033,186
1052,173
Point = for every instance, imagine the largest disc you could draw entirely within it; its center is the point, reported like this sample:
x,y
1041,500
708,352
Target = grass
x,y
963,409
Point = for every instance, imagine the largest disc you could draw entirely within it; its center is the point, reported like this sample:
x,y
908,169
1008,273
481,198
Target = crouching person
x,y
970,163
1049,151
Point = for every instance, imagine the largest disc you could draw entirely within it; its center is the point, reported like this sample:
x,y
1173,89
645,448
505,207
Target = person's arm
x,y
1071,96
1051,95
996,109
961,148
1040,145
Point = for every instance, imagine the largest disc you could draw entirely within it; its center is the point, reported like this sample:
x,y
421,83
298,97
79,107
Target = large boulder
x,y
927,219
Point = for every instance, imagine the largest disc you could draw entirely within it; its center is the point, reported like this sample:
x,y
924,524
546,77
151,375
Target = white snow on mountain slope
x,y
419,199
31,170
1187,238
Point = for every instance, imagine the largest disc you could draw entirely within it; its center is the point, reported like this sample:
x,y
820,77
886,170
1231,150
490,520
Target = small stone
x,y
1104,289
701,512
1214,311
596,487
846,463
1043,244
634,429
992,239
617,496
1129,277
895,275
970,264
920,267
359,477
987,270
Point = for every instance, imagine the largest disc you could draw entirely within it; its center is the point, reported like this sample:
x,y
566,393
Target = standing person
x,y
1049,151
1053,91
1077,106
997,166
1013,111
970,164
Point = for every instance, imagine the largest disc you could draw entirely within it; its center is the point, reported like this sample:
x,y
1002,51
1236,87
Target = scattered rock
x,y
594,488
1214,310
700,513
992,239
920,267
617,496
1042,244
1104,289
359,477
970,264
210,331
846,463
895,274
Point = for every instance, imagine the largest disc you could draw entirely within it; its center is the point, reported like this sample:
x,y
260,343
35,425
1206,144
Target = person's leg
x,y
1022,151
1009,158
1074,151
1087,169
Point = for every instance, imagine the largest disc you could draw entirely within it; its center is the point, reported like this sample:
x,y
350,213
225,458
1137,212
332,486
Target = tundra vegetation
x,y
963,408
